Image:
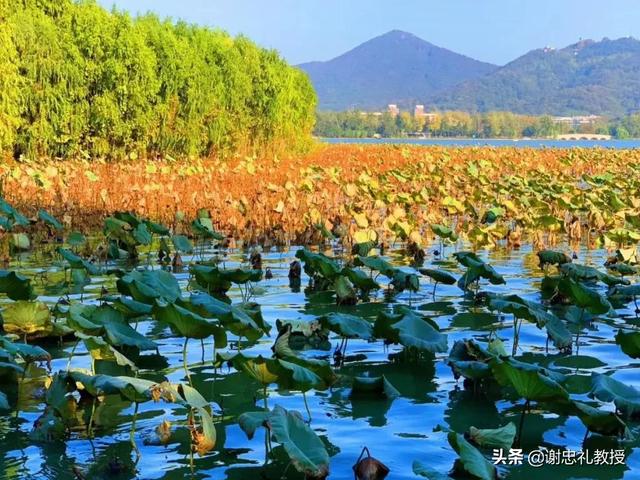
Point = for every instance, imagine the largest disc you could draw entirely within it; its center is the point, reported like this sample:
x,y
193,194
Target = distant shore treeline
x,y
78,80
353,124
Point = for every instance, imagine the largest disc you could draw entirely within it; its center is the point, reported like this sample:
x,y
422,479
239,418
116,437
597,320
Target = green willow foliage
x,y
77,80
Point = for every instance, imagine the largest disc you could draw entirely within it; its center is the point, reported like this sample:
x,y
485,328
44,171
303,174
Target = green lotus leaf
x,y
49,219
29,353
607,389
345,293
501,437
317,264
411,330
182,244
552,257
439,276
629,343
529,381
78,262
584,297
346,325
15,286
148,285
360,279
189,324
304,448
600,421
472,461
27,318
374,386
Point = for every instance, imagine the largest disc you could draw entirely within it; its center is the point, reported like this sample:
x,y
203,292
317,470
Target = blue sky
x,y
495,31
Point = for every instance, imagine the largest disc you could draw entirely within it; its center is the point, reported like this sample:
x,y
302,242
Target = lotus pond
x,y
219,361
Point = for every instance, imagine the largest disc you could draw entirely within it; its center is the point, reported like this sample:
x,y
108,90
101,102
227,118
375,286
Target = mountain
x,y
585,78
396,67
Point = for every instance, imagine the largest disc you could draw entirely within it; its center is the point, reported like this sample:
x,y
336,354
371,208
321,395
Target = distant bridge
x,y
583,136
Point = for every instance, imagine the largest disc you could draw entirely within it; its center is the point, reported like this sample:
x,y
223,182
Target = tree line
x,y
461,124
78,80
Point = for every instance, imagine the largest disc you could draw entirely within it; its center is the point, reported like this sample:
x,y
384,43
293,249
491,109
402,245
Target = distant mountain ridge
x,y
588,77
396,67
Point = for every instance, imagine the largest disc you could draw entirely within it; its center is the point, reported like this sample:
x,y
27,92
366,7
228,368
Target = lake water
x,y
458,142
396,431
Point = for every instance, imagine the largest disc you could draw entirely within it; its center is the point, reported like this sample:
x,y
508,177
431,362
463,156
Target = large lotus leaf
x,y
216,279
600,421
141,234
529,381
558,333
626,291
321,368
131,218
377,264
118,331
264,370
249,422
360,279
552,257
607,389
131,308
235,318
438,276
156,228
317,264
203,227
15,286
629,343
470,369
305,449
347,325
189,324
402,281
182,244
130,388
521,308
502,437
29,353
472,461
345,293
27,318
79,320
583,273
444,232
468,259
77,262
584,297
148,285
49,219
99,349
190,396
11,212
293,376
411,330
374,386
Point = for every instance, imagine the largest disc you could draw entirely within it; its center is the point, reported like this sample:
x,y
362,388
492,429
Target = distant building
x,y
393,109
577,121
418,112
